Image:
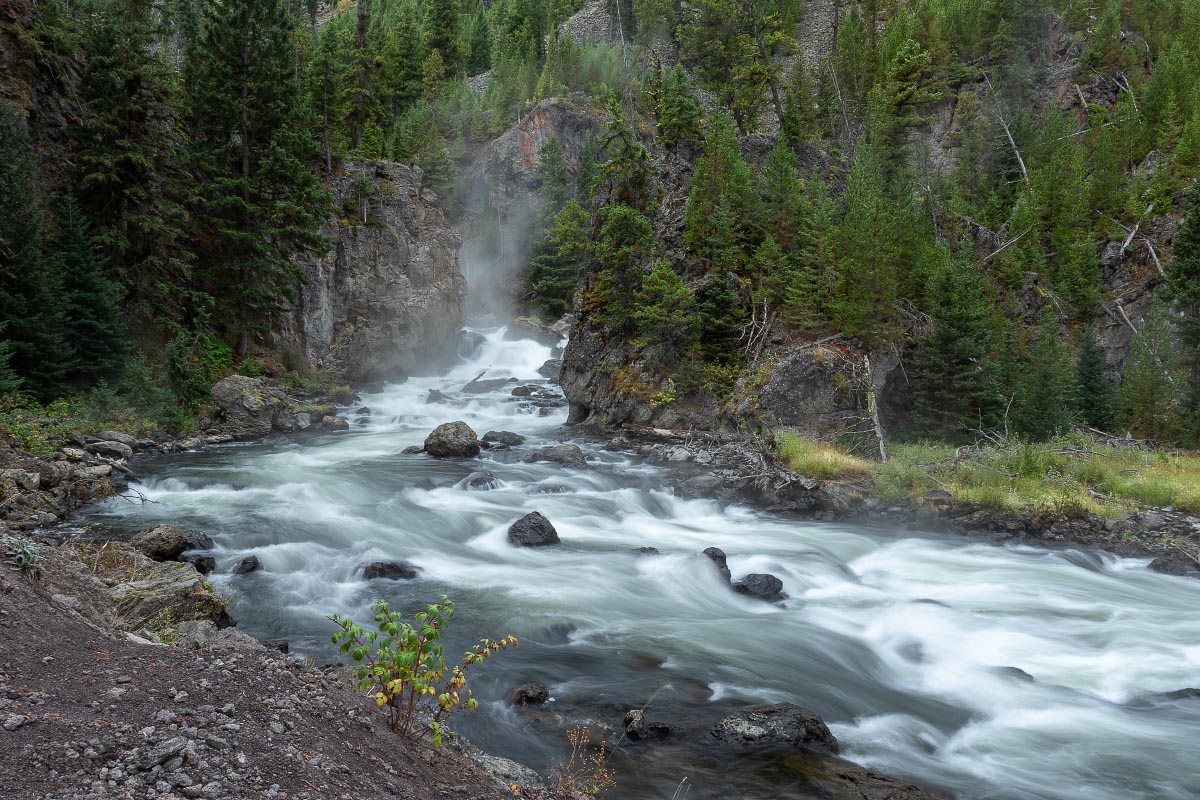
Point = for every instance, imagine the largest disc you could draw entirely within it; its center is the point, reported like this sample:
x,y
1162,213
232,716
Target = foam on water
x,y
995,672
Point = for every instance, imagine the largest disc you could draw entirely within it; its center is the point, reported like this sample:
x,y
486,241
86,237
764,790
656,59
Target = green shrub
x,y
404,664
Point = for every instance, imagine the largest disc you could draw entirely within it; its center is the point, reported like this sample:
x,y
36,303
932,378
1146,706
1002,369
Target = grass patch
x,y
1061,478
821,460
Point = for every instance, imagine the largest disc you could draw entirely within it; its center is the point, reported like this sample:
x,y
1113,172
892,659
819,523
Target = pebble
x,y
14,722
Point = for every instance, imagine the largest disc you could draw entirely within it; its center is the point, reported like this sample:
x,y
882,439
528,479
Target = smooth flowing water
x,y
991,672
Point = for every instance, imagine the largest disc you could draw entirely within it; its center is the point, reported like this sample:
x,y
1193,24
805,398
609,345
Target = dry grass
x,y
1063,477
821,460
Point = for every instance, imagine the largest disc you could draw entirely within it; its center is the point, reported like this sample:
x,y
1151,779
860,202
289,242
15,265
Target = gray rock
x,y
717,556
412,450
452,440
531,694
110,449
117,436
526,328
484,386
551,369
251,408
303,421
568,455
482,481
22,479
205,565
14,722
782,723
532,530
504,437
154,755
393,570
435,396
168,542
335,423
528,390
247,565
761,586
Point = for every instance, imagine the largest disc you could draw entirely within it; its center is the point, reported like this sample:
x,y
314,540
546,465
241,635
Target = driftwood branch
x,y
1007,245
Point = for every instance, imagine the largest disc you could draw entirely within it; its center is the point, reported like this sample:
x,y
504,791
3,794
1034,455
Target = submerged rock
x,y
782,723
452,440
568,455
482,481
392,570
469,343
833,778
247,565
717,556
532,530
530,694
637,727
504,437
761,586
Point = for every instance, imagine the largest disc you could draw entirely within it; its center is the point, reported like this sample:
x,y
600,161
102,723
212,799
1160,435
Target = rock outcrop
x,y
389,295
169,542
251,408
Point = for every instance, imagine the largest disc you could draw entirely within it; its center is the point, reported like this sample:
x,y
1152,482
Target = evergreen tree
x,y
555,270
553,178
664,313
720,203
126,167
480,58
92,324
1094,387
1045,402
1183,289
31,312
782,211
10,381
868,252
678,110
1150,390
721,317
442,34
628,171
623,245
952,376
257,202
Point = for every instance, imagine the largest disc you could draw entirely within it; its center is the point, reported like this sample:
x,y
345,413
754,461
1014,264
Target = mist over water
x,y
992,672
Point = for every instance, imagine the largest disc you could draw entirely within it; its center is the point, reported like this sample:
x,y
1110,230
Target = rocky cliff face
x,y
389,296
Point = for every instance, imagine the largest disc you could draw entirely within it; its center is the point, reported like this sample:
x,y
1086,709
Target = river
x,y
986,671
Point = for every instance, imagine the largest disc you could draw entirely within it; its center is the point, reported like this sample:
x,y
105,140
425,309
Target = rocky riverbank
x,y
732,468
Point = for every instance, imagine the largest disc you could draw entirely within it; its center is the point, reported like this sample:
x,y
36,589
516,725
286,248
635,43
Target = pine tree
x,y
124,154
10,381
1183,289
442,34
1091,380
679,111
952,376
868,252
721,317
782,210
623,245
720,204
664,313
480,58
1045,402
628,170
31,312
92,327
1149,396
555,270
257,202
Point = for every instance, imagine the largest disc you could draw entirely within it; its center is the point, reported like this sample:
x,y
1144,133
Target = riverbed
x,y
986,671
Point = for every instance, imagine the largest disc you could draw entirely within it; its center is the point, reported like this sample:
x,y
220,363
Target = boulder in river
x,y
504,437
412,450
568,455
551,369
452,440
392,570
532,530
247,565
335,423
531,694
527,390
761,586
250,407
526,328
717,556
637,727
486,385
168,542
482,481
469,343
782,723
205,565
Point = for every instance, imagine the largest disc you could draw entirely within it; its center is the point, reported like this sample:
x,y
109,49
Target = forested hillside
x,y
986,198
